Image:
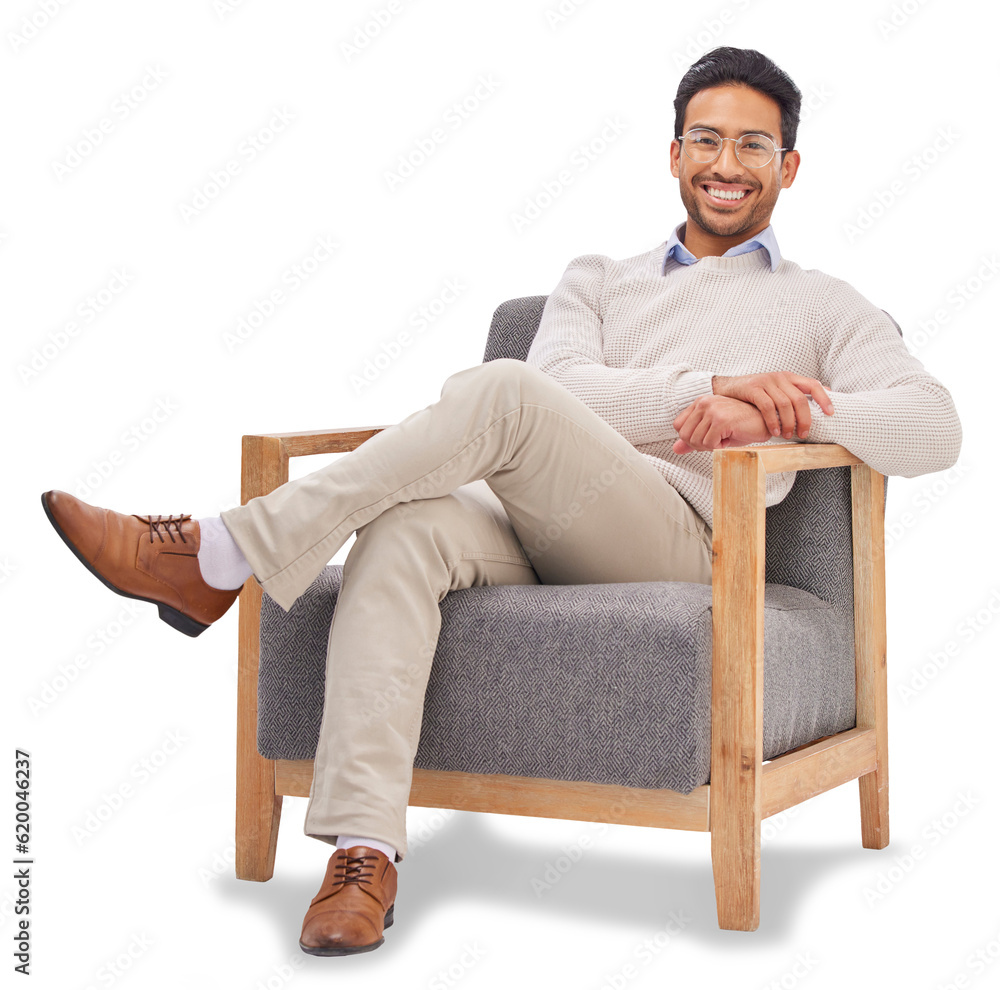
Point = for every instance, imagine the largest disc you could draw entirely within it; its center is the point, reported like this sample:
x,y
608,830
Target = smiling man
x,y
590,462
713,339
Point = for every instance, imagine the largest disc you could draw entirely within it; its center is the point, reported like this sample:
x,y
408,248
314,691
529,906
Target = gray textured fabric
x,y
513,328
603,682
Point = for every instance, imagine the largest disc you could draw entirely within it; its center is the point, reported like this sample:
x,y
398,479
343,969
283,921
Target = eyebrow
x,y
749,130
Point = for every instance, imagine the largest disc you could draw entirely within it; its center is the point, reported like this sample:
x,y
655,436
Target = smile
x,y
720,194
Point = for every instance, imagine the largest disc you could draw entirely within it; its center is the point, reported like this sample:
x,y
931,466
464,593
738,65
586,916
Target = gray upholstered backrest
x,y
808,533
514,325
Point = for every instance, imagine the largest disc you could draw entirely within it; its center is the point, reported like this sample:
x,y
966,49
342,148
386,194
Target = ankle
x,y
349,841
221,561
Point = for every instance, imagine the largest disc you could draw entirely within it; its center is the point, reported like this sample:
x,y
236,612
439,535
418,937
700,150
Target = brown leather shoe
x,y
353,906
151,558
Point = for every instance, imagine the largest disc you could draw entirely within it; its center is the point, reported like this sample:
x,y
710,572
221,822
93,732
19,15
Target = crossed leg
x,y
508,479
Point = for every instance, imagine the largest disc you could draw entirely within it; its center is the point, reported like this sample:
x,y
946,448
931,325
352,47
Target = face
x,y
731,111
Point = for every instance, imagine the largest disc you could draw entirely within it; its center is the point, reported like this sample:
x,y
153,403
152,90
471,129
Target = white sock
x,y
349,841
222,563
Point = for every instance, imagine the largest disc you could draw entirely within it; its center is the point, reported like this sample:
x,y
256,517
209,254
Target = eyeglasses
x,y
702,145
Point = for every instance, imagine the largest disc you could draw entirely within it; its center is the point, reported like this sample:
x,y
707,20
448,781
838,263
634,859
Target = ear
x,y
675,158
789,168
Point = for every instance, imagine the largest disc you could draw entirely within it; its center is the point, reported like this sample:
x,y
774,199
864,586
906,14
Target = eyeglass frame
x,y
735,150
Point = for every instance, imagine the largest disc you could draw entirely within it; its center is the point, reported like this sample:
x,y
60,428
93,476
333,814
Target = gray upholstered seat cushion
x,y
601,682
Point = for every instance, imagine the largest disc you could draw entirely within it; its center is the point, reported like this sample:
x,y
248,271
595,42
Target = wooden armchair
x,y
744,787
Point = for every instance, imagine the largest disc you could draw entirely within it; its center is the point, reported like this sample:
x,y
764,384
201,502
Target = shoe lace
x,y
352,870
164,523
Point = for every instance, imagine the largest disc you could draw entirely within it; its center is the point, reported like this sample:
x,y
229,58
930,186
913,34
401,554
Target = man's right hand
x,y
780,396
714,421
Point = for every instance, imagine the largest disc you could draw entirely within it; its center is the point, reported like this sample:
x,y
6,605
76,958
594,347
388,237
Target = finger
x,y
684,431
821,396
711,437
802,413
817,391
785,410
696,438
680,447
768,410
714,439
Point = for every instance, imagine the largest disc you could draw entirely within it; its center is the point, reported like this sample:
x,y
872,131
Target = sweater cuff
x,y
821,428
688,386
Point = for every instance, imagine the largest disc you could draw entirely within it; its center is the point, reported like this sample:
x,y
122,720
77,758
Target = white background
x,y
154,878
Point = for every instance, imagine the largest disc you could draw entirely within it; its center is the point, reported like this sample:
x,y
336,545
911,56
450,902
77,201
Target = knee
x,y
405,524
515,372
502,368
405,543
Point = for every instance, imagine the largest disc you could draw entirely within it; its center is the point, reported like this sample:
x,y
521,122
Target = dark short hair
x,y
745,67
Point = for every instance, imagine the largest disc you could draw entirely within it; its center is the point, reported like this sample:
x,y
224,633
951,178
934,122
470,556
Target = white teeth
x,y
726,193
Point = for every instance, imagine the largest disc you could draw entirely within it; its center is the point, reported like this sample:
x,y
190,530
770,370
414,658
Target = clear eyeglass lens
x,y
753,150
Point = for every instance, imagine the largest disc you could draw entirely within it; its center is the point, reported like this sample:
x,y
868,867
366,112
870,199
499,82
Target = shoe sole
x,y
177,620
348,950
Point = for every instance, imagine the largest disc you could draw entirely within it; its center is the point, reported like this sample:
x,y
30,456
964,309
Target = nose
x,y
727,161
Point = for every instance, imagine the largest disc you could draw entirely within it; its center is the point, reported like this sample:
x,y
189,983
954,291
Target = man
x,y
639,368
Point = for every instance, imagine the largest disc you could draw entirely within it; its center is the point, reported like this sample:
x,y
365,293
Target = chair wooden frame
x,y
744,789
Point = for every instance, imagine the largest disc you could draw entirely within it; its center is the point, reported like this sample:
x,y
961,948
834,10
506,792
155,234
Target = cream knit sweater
x,y
637,344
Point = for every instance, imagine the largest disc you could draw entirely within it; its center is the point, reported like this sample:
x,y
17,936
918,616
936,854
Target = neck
x,y
702,244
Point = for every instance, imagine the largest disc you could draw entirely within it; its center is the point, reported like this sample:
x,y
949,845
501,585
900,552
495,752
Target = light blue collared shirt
x,y
765,239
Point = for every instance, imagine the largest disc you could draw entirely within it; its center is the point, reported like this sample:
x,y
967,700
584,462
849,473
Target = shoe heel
x,y
388,916
180,622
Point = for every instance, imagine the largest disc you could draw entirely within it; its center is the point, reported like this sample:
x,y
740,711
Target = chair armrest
x,y
333,441
797,456
265,455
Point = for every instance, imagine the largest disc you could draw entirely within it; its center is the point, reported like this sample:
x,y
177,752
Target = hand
x,y
714,421
780,396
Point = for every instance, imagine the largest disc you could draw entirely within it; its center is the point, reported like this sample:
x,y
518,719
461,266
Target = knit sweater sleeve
x,y
887,409
640,403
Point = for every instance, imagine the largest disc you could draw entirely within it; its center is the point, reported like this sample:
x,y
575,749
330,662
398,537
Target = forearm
x,y
569,345
640,403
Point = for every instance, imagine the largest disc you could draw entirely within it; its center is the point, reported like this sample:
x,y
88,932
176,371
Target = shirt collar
x,y
765,239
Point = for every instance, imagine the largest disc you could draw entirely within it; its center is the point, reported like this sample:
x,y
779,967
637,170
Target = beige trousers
x,y
507,479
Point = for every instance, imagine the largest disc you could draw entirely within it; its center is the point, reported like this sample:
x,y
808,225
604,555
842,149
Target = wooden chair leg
x,y
258,807
868,497
736,865
874,792
258,814
737,686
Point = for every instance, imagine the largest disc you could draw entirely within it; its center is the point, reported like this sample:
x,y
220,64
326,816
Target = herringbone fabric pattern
x,y
603,682
513,328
